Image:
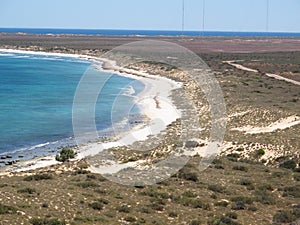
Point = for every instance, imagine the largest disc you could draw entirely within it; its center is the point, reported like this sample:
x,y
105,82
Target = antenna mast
x,y
183,15
267,19
203,17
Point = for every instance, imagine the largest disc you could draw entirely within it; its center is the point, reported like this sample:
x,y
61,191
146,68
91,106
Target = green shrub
x,y
87,184
233,157
252,208
290,164
260,152
103,201
189,194
240,149
232,215
37,221
238,206
5,209
198,204
123,208
90,219
195,222
216,188
219,167
266,187
264,197
293,191
130,219
287,216
37,177
296,177
96,205
222,203
27,190
65,154
245,182
158,201
244,199
217,161
173,214
222,221
241,168
157,207
188,175
144,210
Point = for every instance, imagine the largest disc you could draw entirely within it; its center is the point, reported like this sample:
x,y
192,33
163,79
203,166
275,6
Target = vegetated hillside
x,y
228,192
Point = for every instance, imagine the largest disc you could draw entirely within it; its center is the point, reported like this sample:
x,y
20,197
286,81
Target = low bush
x,y
232,215
123,208
260,152
27,190
96,205
245,182
130,219
65,154
238,206
189,194
173,214
241,168
297,176
188,175
222,203
293,191
290,164
37,177
266,187
46,221
222,221
87,184
233,157
219,167
264,197
5,209
243,199
216,188
195,222
286,216
90,219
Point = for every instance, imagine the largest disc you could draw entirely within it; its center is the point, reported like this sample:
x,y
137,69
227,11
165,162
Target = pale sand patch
x,y
278,125
283,78
238,66
238,114
277,77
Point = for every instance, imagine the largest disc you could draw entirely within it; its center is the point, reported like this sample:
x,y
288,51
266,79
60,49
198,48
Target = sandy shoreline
x,y
154,102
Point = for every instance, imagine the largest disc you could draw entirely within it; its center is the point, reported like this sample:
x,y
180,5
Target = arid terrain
x,y
255,179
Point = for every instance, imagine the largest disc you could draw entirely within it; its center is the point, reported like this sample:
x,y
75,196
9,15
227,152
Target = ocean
x,y
36,96
108,32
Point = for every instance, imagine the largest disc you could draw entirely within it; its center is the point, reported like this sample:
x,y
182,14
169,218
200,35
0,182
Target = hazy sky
x,y
222,15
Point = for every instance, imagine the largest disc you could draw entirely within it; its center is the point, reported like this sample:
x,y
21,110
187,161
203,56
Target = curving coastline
x,y
156,93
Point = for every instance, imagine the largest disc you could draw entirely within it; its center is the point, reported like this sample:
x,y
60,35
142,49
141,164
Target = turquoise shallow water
x,y
36,96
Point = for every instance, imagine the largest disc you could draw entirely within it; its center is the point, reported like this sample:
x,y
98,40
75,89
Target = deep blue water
x,y
142,32
36,96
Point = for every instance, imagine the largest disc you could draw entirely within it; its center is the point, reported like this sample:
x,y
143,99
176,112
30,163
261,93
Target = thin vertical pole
x,y
267,19
203,17
183,15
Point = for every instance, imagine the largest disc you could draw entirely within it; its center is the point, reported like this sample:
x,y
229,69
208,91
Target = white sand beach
x,y
154,102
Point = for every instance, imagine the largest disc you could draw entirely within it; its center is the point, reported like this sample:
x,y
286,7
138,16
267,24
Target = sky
x,y
220,15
